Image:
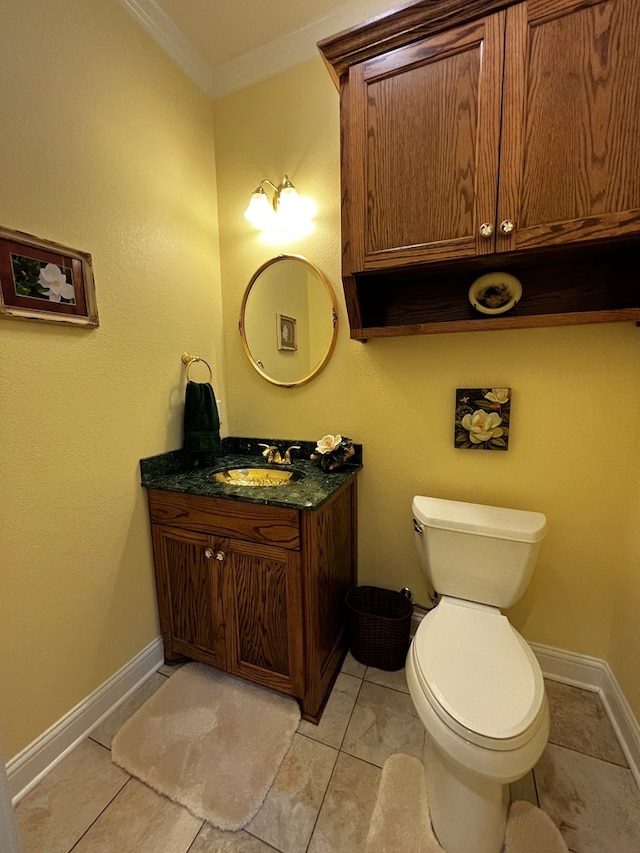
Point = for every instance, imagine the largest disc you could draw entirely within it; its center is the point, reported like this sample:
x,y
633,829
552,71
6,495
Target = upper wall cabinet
x,y
475,141
570,142
421,137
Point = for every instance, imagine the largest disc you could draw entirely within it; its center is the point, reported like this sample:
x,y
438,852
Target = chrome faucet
x,y
274,456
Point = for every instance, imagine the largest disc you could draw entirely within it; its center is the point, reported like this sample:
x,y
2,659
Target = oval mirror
x,y
289,320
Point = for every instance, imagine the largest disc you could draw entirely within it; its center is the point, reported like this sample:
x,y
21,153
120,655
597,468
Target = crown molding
x,y
256,65
172,40
267,60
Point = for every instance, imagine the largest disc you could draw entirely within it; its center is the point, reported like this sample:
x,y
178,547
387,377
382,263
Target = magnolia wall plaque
x,y
482,418
42,280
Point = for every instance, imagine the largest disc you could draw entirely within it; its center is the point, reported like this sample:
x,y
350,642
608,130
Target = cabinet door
x,y
262,600
421,131
570,157
189,593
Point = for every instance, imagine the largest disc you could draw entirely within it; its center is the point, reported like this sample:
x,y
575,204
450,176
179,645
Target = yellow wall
x,y
576,399
623,652
105,146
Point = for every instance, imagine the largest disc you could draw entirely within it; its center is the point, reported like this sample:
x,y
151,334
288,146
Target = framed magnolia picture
x,y
482,418
287,333
42,280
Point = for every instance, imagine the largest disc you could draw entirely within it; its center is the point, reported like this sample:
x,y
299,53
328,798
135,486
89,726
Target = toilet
x,y
475,683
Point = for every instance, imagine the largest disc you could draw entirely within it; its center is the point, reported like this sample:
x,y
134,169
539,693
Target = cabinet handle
x,y
220,556
486,230
507,226
208,553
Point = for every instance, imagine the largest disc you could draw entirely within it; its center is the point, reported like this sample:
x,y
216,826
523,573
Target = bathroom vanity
x,y
252,580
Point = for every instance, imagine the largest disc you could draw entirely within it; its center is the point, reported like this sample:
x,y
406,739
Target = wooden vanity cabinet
x,y
256,590
477,139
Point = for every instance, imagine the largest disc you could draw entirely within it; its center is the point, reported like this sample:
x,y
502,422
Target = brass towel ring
x,y
189,360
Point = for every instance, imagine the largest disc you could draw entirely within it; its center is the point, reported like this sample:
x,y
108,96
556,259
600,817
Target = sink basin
x,y
258,476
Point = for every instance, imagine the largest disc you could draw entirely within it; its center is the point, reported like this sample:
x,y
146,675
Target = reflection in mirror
x,y
289,320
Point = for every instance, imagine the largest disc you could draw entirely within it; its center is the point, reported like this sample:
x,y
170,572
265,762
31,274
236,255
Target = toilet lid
x,y
478,669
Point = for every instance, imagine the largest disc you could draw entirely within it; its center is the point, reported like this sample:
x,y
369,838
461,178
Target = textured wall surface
x,y
105,146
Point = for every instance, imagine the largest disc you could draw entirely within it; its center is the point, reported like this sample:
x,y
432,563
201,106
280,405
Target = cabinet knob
x,y
507,226
486,230
219,555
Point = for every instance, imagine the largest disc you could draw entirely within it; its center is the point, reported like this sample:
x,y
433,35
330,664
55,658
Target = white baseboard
x,y
36,760
570,668
596,675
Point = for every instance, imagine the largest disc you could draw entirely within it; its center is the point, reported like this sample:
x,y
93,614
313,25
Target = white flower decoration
x,y
55,281
498,395
482,426
328,443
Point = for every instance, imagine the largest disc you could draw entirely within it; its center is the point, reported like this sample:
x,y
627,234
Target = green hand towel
x,y
201,419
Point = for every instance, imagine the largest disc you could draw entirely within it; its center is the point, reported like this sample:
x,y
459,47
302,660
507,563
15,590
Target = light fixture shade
x,y
259,213
288,203
283,217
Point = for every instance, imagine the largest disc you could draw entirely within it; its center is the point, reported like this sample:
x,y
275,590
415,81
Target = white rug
x,y
209,741
401,823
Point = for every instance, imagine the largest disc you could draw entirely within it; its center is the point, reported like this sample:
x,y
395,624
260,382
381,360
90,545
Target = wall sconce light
x,y
284,210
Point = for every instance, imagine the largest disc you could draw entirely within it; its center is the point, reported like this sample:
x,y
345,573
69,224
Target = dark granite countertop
x,y
177,471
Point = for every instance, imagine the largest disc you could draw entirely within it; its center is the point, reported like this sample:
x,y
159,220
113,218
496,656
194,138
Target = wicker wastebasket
x,y
379,623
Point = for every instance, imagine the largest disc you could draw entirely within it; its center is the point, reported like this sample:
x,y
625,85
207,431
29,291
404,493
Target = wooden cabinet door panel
x,y
422,127
189,593
570,156
262,599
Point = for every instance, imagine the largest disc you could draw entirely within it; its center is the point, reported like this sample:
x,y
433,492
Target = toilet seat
x,y
478,674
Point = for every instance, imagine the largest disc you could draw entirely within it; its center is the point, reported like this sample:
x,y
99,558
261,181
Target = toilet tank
x,y
479,553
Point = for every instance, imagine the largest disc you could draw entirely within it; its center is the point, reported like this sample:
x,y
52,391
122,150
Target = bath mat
x,y
527,824
400,820
209,741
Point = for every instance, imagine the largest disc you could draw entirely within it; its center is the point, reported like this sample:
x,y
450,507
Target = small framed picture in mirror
x,y
286,332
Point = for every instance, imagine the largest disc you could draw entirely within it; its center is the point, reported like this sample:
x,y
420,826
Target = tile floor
x,y
323,796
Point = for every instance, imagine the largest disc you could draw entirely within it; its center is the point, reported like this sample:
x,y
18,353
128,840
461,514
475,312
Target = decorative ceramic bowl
x,y
495,293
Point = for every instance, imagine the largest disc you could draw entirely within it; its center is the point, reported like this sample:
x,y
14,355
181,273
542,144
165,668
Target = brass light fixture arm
x,y
286,183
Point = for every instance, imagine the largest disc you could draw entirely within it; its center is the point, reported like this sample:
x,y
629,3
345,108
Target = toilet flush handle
x,y
417,526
